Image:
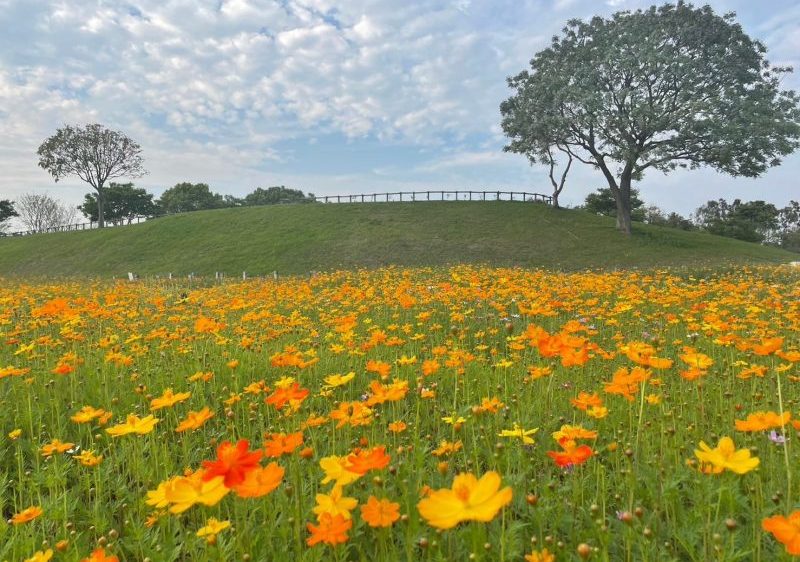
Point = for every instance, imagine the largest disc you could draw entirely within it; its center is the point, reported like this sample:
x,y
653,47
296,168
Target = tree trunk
x,y
555,199
623,196
100,203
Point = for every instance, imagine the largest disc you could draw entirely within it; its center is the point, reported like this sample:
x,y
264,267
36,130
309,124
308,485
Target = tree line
x,y
124,202
751,221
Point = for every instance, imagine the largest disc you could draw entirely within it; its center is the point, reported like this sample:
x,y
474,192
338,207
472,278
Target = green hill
x,y
302,238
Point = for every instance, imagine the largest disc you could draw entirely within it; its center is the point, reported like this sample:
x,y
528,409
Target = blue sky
x,y
329,97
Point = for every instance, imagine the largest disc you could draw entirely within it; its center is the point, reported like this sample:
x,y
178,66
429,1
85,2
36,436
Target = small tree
x,y
93,153
277,194
603,202
123,202
40,212
185,196
662,88
7,212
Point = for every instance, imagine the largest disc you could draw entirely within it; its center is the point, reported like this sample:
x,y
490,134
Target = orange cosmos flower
x,y
233,463
697,360
292,395
260,481
786,530
26,515
397,426
767,346
381,368
195,420
88,413
280,444
205,325
331,529
55,446
380,513
99,555
763,421
574,432
540,556
362,462
584,401
470,499
168,399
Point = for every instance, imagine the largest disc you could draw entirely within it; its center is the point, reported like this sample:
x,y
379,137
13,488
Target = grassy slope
x,y
301,238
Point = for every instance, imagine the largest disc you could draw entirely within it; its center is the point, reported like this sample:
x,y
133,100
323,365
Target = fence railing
x,y
437,195
91,225
394,197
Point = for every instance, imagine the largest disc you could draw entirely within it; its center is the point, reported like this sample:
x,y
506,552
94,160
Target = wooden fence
x,y
396,197
440,195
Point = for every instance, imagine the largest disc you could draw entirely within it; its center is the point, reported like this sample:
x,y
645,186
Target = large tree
x,y
93,153
123,202
667,87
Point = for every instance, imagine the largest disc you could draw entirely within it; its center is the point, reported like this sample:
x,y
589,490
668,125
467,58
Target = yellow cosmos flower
x,y
726,456
89,458
15,434
335,469
212,528
470,499
519,433
41,556
133,424
339,380
186,491
335,503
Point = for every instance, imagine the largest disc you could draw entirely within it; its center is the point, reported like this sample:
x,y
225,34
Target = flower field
x,y
403,414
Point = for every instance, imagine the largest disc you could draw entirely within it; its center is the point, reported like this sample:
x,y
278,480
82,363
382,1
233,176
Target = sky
x,y
354,96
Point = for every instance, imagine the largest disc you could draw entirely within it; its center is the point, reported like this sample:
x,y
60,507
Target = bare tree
x,y
93,153
40,212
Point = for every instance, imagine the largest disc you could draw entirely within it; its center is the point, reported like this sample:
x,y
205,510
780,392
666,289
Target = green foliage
x,y
300,238
603,202
185,196
753,221
122,201
661,88
277,194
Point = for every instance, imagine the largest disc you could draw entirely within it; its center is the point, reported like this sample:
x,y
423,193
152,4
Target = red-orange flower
x,y
332,530
362,462
233,463
280,444
571,454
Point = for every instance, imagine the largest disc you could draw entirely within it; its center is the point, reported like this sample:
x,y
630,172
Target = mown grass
x,y
303,238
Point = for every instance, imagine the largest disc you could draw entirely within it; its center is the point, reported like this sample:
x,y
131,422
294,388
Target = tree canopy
x,y
666,87
93,153
276,195
123,201
185,196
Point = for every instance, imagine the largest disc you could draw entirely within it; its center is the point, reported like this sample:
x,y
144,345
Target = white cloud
x,y
226,90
